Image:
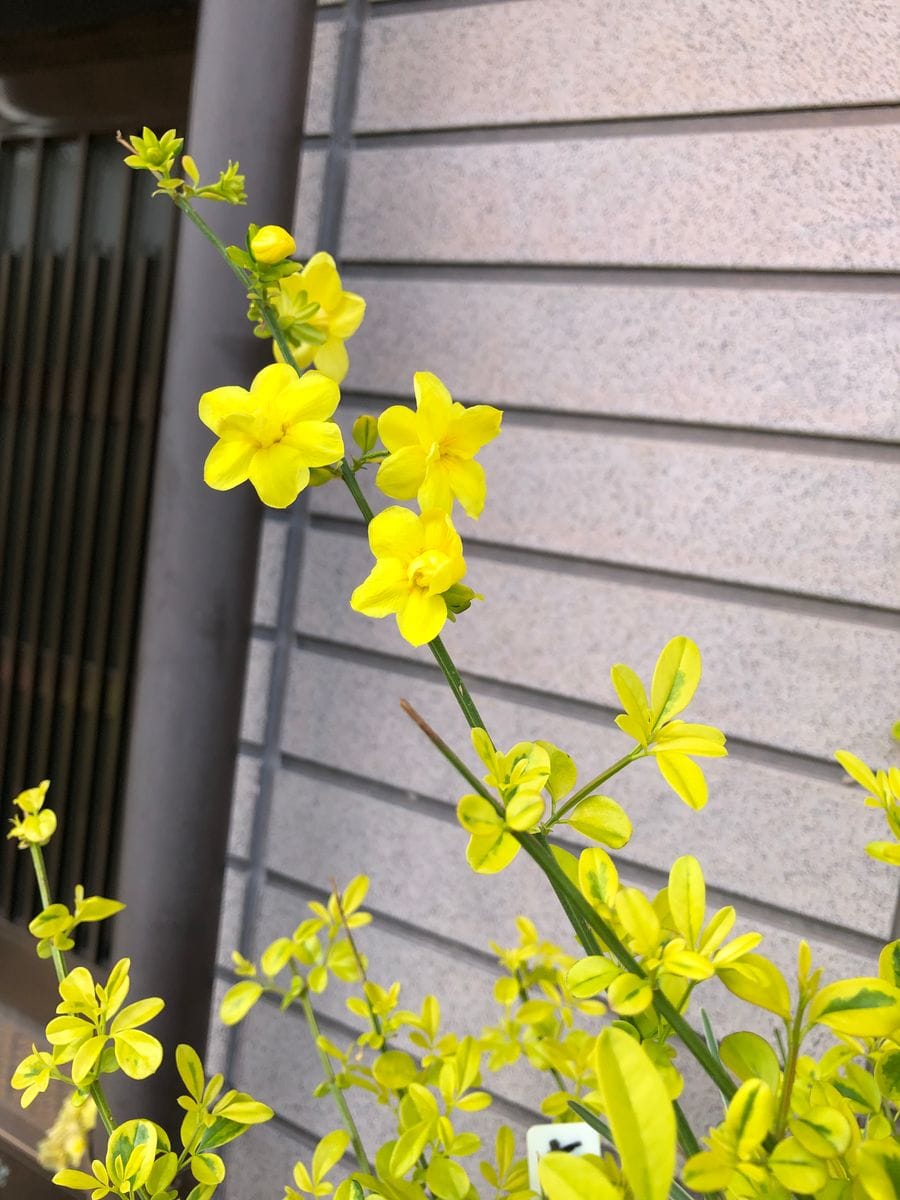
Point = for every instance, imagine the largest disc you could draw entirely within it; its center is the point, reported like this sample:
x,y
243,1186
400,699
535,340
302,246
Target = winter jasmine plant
x,y
609,1022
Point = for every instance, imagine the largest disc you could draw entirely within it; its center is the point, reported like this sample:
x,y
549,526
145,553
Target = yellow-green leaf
x,y
564,1177
525,811
749,1056
889,963
859,1007
684,777
591,975
687,898
408,1148
750,1116
598,879
797,1169
330,1150
675,679
490,854
187,1060
878,1166
137,1053
395,1069
238,1001
446,1179
603,820
134,1145
822,1131
207,1168
633,699
639,1112
629,995
478,816
563,772
707,1171
639,918
759,982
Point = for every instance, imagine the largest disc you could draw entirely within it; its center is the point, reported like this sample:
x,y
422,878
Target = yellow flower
x,y
432,450
417,560
317,316
272,434
39,824
271,244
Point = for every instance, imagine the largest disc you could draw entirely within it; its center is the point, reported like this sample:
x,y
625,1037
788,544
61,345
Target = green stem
x,y
582,793
40,870
459,689
795,1040
349,1124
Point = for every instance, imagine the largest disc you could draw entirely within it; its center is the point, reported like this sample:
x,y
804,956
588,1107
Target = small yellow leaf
x,y
675,679
687,898
598,879
684,777
492,853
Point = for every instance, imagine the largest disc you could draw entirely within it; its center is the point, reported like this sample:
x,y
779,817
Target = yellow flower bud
x,y
271,244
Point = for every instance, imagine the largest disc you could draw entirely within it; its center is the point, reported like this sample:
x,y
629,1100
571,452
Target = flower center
x,y
424,568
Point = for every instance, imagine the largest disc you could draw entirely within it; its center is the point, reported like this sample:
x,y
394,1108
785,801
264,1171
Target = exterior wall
x,y
661,238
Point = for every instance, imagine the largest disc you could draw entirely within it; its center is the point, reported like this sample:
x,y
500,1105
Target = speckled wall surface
x,y
664,238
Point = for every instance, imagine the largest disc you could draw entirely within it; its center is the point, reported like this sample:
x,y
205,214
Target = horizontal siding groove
x,y
748,595
749,437
250,749
806,765
671,125
387,8
750,909
331,1024
405,929
631,275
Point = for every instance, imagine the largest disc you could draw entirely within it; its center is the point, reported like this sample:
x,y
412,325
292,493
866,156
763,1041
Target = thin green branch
x,y
340,1100
598,781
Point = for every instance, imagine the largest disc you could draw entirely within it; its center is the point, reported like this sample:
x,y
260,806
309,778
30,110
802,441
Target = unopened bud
x,y
365,433
271,244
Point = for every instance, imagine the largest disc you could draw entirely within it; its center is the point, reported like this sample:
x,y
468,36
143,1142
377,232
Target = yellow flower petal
x,y
438,534
228,464
396,533
319,442
221,403
397,428
347,316
332,359
278,474
491,853
467,482
383,592
314,397
435,489
321,281
434,406
401,474
271,380
422,617
472,428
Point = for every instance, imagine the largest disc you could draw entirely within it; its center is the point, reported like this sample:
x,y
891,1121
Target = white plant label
x,y
573,1138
